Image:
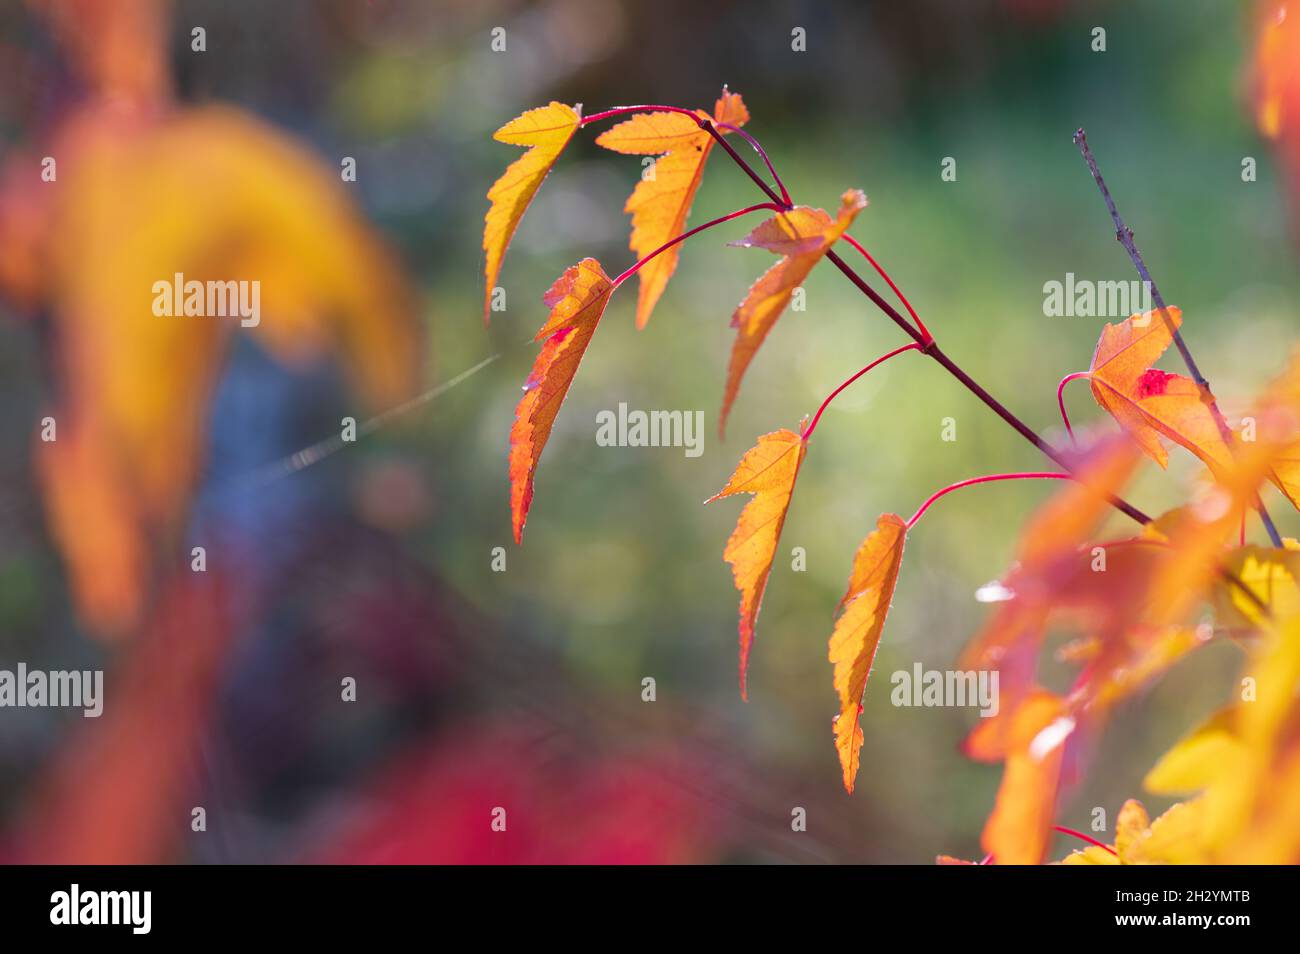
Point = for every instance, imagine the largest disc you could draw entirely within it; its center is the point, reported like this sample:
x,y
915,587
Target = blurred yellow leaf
x,y
209,195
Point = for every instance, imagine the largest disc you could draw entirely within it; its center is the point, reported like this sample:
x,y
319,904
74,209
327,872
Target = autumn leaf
x,y
1286,473
1177,408
768,471
1194,762
1198,535
1245,760
1264,580
661,202
857,632
1149,403
545,131
1124,353
1053,571
577,300
1276,81
1129,658
1173,838
1101,592
801,237
1019,828
214,196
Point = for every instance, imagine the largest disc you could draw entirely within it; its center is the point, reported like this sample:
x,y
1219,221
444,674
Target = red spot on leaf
x,y
1153,382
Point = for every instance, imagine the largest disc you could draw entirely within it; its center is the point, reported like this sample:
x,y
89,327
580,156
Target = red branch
x,y
1060,398
982,480
636,266
881,360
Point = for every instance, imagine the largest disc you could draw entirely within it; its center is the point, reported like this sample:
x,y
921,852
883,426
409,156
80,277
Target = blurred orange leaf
x,y
661,202
1019,829
215,197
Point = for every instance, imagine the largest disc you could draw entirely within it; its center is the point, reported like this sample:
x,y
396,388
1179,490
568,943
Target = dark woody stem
x,y
926,342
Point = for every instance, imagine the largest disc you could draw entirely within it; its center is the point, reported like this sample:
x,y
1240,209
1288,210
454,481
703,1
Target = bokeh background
x,y
522,688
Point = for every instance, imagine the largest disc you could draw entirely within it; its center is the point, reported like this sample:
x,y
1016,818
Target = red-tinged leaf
x,y
857,632
1198,535
1150,403
801,236
545,131
768,471
1054,568
1129,660
577,300
660,205
1124,353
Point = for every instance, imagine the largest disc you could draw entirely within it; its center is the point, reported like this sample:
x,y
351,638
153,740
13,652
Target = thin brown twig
x,y
1125,236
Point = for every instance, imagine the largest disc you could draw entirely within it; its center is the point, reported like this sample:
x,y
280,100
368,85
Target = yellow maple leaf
x,y
661,202
545,131
856,636
768,471
213,197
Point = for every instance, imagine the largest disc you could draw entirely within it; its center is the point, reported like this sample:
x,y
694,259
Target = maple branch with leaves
x,y
1175,558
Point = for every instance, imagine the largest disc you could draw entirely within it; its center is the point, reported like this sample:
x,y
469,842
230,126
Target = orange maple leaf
x,y
1150,403
768,471
1053,568
660,204
801,237
857,632
577,300
545,131
1121,378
